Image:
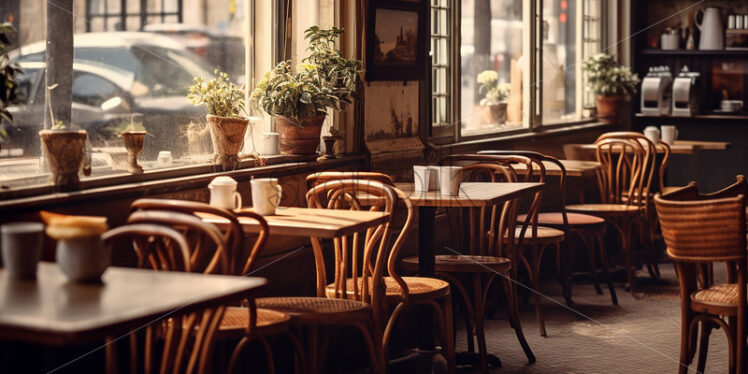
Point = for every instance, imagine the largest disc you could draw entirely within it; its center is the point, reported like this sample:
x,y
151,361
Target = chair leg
x,y
535,282
513,314
604,265
591,264
705,331
563,272
624,228
480,309
449,342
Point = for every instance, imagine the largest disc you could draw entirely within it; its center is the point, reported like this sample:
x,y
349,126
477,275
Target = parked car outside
x,y
220,49
149,73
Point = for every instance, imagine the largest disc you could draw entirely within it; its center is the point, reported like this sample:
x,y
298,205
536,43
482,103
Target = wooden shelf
x,y
700,116
695,53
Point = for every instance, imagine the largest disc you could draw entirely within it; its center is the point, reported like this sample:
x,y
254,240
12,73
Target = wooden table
x,y
55,311
472,195
309,222
685,147
574,168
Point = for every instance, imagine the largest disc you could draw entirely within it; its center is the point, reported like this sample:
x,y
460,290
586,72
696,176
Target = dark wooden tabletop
x,y
54,311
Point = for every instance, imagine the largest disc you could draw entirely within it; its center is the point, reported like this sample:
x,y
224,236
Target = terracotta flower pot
x,y
299,138
498,112
65,152
608,108
227,134
134,141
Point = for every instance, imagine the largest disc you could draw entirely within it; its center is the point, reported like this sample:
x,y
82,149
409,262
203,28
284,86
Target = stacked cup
x,y
446,179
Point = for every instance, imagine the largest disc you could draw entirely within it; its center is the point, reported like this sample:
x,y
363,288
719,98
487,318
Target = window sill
x,y
546,131
162,181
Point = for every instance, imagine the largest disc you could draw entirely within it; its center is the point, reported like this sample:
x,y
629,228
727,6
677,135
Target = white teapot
x,y
223,193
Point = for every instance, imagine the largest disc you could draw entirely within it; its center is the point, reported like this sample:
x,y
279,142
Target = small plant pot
x,y
299,138
227,135
83,259
65,152
498,113
609,108
134,141
329,142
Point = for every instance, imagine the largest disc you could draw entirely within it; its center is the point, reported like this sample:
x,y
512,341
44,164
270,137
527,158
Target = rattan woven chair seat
x,y
605,210
317,310
269,322
464,264
556,219
418,287
720,299
544,235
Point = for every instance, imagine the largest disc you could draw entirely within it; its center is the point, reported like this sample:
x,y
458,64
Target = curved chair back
x,y
208,249
185,339
326,176
361,256
628,163
241,261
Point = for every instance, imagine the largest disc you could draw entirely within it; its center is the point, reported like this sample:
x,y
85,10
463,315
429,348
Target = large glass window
x,y
135,79
491,60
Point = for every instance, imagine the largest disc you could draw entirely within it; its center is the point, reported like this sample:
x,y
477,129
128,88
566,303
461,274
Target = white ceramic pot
x,y
83,259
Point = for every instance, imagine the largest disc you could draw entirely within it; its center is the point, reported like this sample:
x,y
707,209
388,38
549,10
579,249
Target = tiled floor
x,y
637,336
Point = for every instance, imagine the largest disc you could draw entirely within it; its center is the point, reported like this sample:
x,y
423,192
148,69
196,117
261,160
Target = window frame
x,y
532,117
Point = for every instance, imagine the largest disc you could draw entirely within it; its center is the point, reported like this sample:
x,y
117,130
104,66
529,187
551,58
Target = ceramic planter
x,y
134,141
65,152
498,112
299,138
227,135
608,108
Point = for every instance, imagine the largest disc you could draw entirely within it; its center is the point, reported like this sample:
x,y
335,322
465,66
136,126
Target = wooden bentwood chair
x,y
185,340
485,238
401,292
360,303
628,163
588,228
238,323
698,233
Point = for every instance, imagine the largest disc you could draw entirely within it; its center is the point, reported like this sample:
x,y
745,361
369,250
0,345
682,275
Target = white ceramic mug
x,y
271,143
223,193
450,178
83,259
422,178
669,134
266,195
653,134
21,245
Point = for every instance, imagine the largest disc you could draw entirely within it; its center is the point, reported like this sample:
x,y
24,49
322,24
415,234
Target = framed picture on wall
x,y
396,41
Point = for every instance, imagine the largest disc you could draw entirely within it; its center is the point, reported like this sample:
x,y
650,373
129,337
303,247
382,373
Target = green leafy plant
x,y
494,92
608,78
8,71
324,80
220,96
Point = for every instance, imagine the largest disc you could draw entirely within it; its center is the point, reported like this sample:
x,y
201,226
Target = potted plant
x,y
300,100
226,118
134,138
65,151
8,72
611,83
494,94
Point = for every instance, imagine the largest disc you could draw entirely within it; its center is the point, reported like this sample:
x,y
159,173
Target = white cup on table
x,y
425,178
223,193
266,195
450,178
653,134
21,246
669,134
